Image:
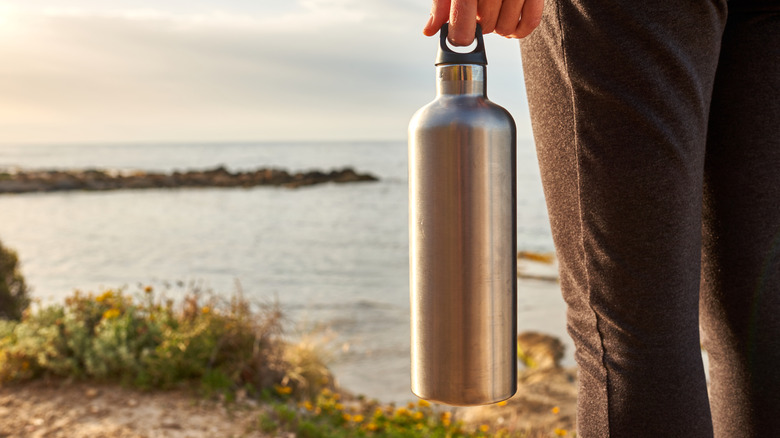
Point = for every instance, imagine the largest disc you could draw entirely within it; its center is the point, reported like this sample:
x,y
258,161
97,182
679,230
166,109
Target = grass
x,y
329,415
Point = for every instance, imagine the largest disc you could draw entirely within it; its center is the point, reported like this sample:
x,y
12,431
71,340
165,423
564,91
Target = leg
x,y
619,93
740,304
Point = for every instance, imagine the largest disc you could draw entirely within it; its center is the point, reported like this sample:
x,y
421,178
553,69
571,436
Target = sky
x,y
227,70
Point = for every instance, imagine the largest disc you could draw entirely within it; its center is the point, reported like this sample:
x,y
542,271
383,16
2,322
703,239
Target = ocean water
x,y
335,256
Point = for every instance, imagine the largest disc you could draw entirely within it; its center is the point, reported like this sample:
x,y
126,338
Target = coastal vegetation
x,y
145,341
224,348
231,350
13,289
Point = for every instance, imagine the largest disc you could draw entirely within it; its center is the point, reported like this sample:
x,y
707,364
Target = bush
x,y
13,290
224,346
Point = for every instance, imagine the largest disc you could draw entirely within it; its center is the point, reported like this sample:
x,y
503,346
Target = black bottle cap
x,y
449,56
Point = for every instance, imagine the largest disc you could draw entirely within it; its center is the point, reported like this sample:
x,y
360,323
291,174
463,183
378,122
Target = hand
x,y
508,18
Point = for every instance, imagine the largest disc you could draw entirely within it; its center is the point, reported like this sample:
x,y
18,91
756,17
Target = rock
x,y
170,424
538,350
545,402
99,180
546,397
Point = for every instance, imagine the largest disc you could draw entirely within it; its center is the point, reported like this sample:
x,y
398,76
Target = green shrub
x,y
139,341
13,290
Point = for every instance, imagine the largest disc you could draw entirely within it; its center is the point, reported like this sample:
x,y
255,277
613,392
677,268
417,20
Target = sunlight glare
x,y
6,12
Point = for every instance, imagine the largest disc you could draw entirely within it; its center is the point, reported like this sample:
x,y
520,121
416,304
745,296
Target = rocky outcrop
x,y
546,400
539,350
61,180
544,405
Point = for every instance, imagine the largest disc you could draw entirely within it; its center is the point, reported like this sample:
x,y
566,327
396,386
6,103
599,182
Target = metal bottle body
x,y
462,222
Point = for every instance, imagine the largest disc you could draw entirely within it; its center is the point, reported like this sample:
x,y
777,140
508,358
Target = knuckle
x,y
504,30
488,26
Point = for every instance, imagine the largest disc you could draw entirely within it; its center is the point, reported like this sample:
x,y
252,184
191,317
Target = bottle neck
x,y
461,80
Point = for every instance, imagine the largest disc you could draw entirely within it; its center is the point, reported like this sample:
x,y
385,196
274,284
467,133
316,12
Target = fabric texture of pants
x,y
657,126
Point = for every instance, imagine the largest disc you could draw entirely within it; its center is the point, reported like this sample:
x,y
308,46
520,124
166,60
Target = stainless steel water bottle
x,y
462,226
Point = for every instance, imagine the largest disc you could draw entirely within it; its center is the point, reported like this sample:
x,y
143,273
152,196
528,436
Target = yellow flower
x,y
410,405
418,416
419,426
205,310
283,390
326,392
484,428
339,407
111,313
107,295
346,417
556,410
307,405
502,403
358,418
148,289
423,403
336,396
379,412
445,421
402,412
560,432
371,427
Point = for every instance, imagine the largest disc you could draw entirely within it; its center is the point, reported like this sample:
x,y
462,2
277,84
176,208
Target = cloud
x,y
313,69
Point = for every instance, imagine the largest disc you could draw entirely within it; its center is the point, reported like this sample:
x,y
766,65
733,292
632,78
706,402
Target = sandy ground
x,y
545,405
86,410
545,401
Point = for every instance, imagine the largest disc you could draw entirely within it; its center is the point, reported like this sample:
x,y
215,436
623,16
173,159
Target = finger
x,y
509,17
463,22
440,12
529,19
487,14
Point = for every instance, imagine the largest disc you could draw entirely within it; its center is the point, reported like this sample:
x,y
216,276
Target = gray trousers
x,y
657,125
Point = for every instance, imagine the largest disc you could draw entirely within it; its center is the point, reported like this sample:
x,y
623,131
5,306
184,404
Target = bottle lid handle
x,y
448,56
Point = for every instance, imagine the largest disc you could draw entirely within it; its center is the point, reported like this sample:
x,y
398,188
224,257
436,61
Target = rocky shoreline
x,y
100,180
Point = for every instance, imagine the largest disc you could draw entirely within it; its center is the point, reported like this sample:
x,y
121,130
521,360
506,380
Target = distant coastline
x,y
27,181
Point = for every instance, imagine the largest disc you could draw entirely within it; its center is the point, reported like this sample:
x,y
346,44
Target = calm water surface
x,y
333,256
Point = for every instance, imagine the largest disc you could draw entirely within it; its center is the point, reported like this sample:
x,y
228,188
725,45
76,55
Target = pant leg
x,y
619,93
740,305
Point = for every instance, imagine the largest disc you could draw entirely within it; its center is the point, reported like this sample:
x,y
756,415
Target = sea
x,y
333,256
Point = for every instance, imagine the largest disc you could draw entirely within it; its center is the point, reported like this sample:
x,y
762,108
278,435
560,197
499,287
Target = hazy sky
x,y
198,70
